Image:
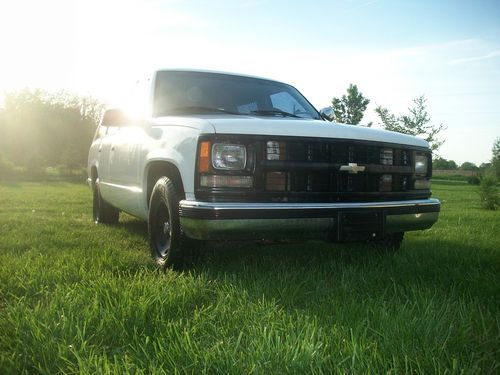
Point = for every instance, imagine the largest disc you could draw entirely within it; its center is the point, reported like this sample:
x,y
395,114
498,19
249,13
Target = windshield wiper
x,y
273,112
200,109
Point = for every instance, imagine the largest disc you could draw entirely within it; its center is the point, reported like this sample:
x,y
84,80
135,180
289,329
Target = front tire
x,y
102,211
169,247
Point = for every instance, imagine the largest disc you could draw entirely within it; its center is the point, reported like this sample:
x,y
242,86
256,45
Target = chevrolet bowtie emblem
x,y
352,168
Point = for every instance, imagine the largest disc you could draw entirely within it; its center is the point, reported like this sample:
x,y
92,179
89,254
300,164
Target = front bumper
x,y
332,221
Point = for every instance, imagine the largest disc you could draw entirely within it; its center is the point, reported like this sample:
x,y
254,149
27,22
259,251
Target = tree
x,y
495,160
416,123
443,164
488,193
38,128
484,166
468,166
349,109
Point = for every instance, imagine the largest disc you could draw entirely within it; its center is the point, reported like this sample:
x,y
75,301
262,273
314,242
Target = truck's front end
x,y
259,186
273,168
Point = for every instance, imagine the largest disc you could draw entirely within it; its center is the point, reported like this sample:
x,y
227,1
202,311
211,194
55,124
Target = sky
x,y
392,50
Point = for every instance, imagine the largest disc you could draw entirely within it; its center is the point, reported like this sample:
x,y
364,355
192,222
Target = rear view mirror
x,y
327,113
114,117
118,118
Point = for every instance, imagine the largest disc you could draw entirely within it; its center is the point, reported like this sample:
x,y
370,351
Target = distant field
x,y
454,172
456,175
76,298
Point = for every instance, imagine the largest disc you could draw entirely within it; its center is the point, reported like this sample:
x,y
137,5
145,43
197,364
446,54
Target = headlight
x,y
420,164
229,157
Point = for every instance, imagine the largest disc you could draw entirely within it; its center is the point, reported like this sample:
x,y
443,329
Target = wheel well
x,y
157,169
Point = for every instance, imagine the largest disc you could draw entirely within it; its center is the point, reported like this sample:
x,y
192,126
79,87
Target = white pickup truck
x,y
222,156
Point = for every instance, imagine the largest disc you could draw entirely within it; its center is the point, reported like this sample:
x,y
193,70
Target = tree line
x,y
40,130
450,165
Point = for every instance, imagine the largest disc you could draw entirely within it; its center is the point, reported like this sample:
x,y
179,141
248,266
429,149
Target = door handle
x,y
112,148
100,149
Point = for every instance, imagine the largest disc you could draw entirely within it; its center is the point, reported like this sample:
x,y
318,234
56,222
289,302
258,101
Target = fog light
x,y
386,156
216,181
385,182
276,181
275,150
422,184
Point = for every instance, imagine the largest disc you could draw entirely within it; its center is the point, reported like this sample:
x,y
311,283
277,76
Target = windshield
x,y
179,92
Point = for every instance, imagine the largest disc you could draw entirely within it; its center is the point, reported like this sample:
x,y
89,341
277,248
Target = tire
x,y
169,246
102,211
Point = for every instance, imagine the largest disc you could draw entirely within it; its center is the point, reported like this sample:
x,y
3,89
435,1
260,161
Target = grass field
x,y
79,298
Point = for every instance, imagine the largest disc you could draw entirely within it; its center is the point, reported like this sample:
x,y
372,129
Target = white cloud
x,y
465,60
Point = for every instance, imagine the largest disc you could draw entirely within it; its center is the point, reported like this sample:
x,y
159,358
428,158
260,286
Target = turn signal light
x,y
204,157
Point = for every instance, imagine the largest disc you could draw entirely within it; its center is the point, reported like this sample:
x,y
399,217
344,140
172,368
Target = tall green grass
x,y
79,298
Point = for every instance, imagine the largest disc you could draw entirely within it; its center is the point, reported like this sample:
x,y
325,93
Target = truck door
x,y
124,168
104,157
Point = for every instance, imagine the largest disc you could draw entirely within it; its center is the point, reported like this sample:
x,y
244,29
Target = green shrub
x,y
5,165
488,193
8,171
473,180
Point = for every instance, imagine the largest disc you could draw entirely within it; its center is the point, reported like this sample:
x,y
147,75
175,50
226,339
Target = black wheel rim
x,y
162,230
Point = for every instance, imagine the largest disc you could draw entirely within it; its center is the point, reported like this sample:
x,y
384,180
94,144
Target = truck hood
x,y
277,126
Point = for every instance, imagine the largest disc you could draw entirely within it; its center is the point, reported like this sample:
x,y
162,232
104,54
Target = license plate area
x,y
360,226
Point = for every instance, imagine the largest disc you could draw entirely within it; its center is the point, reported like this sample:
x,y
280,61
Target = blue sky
x,y
393,50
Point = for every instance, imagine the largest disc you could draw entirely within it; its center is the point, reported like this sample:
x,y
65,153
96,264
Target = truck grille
x,y
289,169
317,167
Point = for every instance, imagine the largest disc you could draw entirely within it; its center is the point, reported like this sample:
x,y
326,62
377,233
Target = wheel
x,y
391,242
102,211
169,247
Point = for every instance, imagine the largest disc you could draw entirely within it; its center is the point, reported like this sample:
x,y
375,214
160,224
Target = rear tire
x,y
169,246
102,211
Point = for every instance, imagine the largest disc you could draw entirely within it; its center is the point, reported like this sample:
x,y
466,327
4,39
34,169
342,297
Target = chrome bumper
x,y
248,221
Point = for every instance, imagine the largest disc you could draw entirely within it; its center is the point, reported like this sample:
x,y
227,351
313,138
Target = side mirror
x,y
327,113
118,118
114,117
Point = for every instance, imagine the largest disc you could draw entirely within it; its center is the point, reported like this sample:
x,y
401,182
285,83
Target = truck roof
x,y
217,72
